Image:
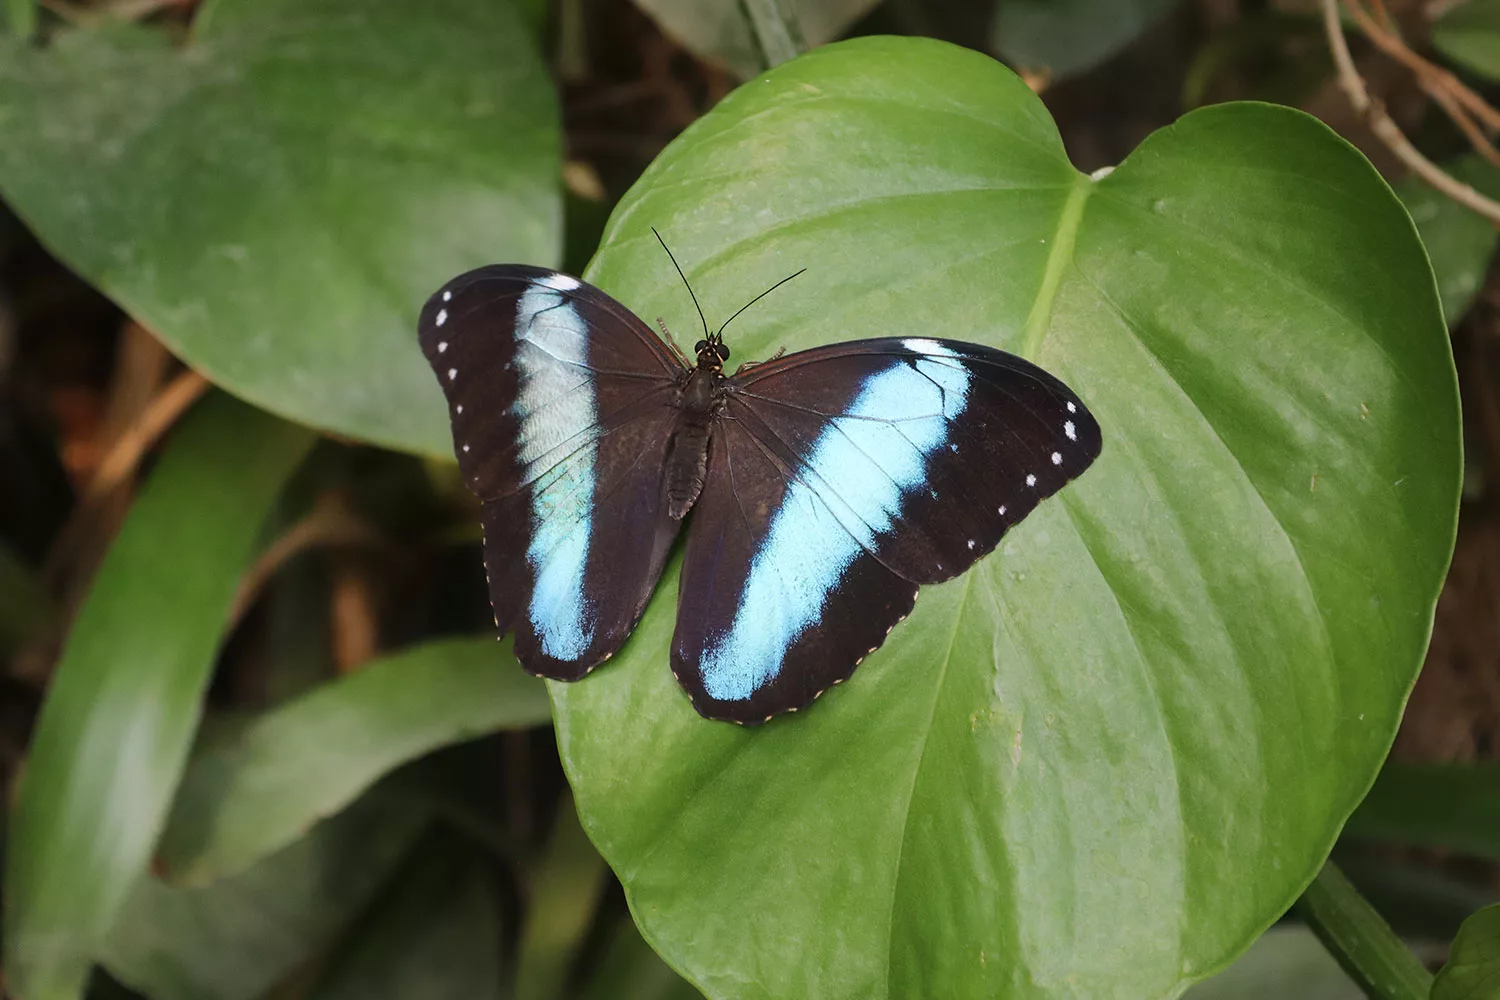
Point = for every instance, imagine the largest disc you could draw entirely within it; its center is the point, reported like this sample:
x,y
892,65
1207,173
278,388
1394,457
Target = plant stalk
x,y
776,30
1360,939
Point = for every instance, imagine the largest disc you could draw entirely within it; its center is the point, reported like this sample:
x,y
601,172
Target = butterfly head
x,y
712,353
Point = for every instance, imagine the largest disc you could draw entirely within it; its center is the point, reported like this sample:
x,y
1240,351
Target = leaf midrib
x,y
1039,320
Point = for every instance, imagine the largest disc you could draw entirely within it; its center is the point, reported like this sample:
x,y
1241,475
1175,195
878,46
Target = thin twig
x,y
330,522
1429,74
1387,131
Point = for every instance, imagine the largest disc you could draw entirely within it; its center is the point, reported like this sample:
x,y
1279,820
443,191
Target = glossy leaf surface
x,y
1104,760
276,197
258,791
124,703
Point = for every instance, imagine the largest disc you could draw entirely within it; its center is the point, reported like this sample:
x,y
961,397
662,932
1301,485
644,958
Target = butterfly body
x,y
819,489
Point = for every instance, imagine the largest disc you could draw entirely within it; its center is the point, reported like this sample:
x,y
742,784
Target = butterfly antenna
x,y
752,302
683,277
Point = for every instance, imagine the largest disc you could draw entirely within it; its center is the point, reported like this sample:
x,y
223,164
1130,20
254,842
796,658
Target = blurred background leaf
x,y
432,934
720,31
1460,242
1473,969
1065,37
122,709
277,196
1468,33
270,780
237,938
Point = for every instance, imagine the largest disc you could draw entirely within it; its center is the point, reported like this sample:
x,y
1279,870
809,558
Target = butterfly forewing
x,y
563,404
849,474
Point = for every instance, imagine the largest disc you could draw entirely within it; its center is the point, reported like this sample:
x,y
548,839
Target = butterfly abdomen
x,y
687,458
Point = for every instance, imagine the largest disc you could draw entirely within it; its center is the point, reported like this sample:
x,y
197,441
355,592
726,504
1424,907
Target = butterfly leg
x,y
666,335
746,366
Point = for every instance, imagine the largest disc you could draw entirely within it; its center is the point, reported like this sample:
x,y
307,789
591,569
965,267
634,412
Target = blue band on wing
x,y
875,452
555,399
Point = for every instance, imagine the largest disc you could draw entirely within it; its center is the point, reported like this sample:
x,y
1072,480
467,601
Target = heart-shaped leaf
x,y
1101,762
277,197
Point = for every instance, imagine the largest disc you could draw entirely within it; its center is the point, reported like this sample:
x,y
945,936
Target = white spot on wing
x,y
921,345
466,449
1069,431
447,296
971,544
1057,458
1031,480
452,374
558,281
442,317
459,408
1072,408
1002,510
442,346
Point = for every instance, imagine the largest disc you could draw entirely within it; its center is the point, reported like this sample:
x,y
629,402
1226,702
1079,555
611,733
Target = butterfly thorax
x,y
687,455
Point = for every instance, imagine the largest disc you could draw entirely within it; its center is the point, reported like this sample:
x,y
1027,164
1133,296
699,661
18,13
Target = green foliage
x,y
1459,241
124,704
722,31
1473,969
1070,36
262,788
1453,807
1188,667
276,198
1469,35
1099,764
431,936
237,938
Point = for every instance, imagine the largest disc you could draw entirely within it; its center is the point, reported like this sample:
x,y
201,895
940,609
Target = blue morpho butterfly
x,y
825,485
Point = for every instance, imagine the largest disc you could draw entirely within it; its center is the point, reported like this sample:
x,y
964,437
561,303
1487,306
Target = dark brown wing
x,y
562,404
847,475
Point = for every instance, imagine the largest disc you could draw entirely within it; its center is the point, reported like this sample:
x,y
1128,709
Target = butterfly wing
x,y
839,479
563,404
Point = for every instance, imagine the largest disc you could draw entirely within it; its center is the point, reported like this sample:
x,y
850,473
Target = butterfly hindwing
x,y
776,602
562,405
856,472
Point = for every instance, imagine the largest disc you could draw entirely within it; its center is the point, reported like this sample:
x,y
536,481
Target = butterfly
x,y
824,486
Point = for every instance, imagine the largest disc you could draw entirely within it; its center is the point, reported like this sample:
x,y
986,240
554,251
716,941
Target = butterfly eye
x,y
699,346
723,350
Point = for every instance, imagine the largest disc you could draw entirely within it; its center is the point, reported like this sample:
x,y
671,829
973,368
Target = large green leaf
x,y
1473,969
1102,761
277,197
1469,34
263,787
236,938
1070,36
123,706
